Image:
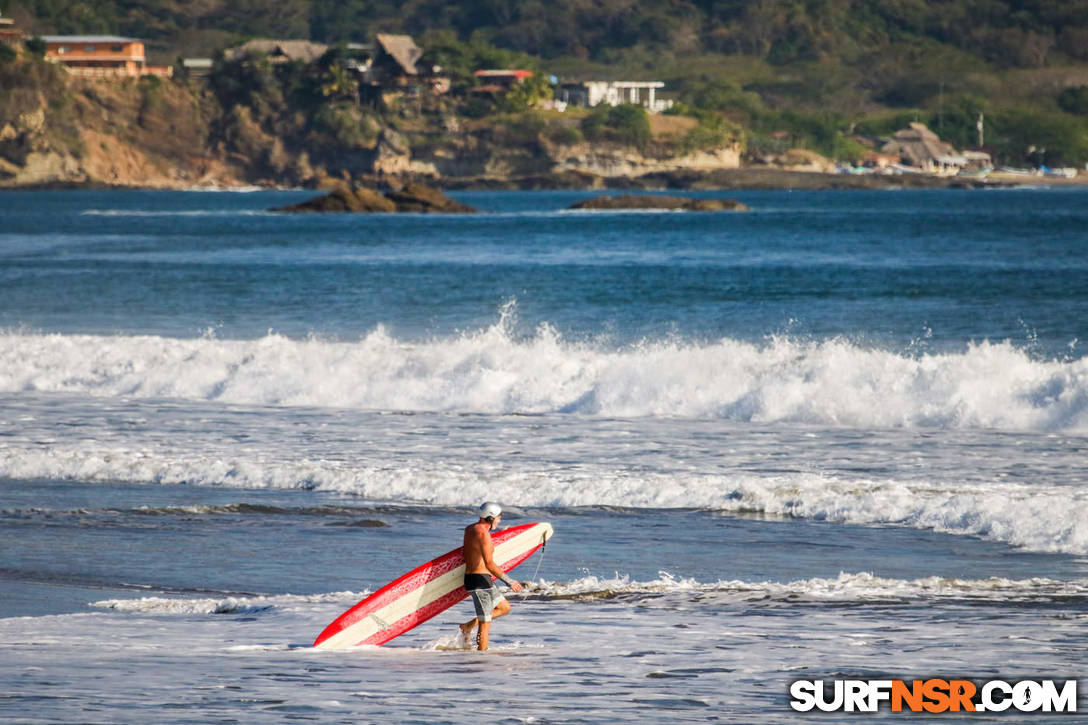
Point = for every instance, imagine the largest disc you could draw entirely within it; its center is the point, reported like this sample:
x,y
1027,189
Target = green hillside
x,y
1025,34
812,70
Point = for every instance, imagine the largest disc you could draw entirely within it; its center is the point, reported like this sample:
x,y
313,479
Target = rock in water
x,y
420,198
343,199
716,205
640,201
412,197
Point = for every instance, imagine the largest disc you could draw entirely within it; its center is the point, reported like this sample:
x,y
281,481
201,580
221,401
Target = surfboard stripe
x,y
424,592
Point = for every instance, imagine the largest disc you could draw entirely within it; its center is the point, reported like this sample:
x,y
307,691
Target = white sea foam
x,y
1035,516
847,587
225,605
831,382
244,189
170,213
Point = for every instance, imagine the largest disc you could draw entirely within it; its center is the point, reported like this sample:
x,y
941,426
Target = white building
x,y
614,93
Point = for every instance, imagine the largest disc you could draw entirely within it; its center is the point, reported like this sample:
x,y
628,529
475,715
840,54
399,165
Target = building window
x,y
117,48
63,49
88,49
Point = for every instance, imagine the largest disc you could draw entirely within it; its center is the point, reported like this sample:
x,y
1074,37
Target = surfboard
x,y
424,592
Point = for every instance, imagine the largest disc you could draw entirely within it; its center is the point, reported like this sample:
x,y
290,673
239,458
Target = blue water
x,y
881,267
841,435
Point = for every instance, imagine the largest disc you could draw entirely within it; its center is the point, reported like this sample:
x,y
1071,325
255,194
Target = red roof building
x,y
101,55
504,79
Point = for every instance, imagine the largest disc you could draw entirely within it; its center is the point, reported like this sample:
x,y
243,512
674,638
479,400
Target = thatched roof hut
x,y
402,50
280,51
919,147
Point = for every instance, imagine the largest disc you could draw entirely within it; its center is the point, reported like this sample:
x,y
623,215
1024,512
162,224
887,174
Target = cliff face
x,y
26,155
481,157
30,147
148,133
612,162
57,129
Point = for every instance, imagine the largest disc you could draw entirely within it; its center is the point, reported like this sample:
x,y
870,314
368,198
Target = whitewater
x,y
830,382
843,435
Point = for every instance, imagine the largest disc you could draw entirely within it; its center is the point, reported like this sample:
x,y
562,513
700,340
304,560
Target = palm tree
x,y
338,82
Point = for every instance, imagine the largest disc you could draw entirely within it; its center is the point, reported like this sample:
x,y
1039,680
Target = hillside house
x,y
197,67
614,93
8,32
279,51
388,66
394,68
921,149
101,56
495,83
502,79
394,63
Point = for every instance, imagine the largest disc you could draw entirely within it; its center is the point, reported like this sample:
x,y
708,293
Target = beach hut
x,y
921,149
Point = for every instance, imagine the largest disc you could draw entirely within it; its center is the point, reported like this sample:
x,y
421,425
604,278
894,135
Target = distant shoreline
x,y
751,179
742,179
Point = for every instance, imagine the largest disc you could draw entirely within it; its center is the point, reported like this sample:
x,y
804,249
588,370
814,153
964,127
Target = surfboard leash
x,y
543,548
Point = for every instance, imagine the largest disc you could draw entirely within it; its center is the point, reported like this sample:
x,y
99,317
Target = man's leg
x,y
481,607
483,635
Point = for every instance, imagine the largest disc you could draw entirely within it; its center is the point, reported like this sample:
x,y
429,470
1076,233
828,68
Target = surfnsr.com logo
x,y
934,695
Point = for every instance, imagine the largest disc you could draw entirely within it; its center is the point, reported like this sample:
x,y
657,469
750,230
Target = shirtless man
x,y
479,566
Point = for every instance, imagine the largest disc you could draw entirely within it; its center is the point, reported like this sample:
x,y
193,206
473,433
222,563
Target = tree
x,y
36,46
337,82
1074,100
532,92
628,124
1025,135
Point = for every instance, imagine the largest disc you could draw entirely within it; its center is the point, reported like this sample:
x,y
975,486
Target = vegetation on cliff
x,y
1005,33
31,90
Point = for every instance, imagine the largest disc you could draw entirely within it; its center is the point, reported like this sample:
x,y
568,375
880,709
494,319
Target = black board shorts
x,y
485,595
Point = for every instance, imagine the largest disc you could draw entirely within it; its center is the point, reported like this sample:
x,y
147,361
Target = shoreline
x,y
741,179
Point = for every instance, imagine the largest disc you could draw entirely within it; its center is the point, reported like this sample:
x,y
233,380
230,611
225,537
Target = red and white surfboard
x,y
424,592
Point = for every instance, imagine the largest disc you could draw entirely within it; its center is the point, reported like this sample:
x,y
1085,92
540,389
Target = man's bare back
x,y
478,548
479,553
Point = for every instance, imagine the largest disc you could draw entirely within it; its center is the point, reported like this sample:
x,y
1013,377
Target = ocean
x,y
842,436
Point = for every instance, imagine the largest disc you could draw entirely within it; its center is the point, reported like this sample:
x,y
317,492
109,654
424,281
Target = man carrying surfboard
x,y
480,565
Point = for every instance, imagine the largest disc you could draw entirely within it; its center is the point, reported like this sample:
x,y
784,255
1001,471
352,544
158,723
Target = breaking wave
x,y
226,605
846,588
831,382
1035,517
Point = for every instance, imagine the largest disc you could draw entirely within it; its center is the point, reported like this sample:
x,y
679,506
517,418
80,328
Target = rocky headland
x,y
63,131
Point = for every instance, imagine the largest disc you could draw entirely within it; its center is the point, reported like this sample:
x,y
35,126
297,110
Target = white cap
x,y
490,510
